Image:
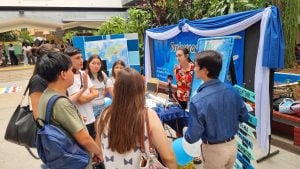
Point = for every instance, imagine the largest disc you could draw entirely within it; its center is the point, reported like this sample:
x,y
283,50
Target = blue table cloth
x,y
175,117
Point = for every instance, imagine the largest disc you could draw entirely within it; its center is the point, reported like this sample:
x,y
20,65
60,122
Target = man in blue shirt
x,y
216,111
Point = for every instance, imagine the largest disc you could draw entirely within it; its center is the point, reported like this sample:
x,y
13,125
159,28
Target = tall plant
x,y
24,36
223,7
138,21
69,35
8,36
115,25
171,11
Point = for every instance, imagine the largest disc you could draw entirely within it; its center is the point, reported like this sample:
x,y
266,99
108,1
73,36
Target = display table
x,y
290,120
175,117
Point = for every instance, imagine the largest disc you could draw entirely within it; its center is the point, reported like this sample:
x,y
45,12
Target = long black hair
x,y
100,76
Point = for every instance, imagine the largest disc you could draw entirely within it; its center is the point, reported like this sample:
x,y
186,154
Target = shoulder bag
x,y
21,128
149,161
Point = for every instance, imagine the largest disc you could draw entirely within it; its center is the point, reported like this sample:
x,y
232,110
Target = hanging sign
x,y
247,129
245,140
246,93
252,119
238,164
244,150
245,162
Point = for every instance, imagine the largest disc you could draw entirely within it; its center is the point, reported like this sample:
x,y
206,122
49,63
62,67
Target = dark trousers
x,y
91,130
13,59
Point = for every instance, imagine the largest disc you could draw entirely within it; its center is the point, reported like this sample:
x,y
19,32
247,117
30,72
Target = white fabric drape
x,y
261,89
261,73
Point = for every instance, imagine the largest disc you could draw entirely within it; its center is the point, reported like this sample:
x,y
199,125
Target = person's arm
x,y
243,116
87,142
160,141
89,97
110,87
195,126
35,98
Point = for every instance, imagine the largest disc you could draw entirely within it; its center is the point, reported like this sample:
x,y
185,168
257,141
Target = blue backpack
x,y
56,149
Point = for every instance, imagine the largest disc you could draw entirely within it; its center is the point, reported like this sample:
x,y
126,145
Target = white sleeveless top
x,y
130,160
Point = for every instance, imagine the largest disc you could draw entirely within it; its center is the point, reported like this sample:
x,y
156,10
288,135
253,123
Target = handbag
x,y
285,106
149,161
21,128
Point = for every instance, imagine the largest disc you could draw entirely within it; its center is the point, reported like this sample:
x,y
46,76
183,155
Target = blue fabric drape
x,y
273,45
274,42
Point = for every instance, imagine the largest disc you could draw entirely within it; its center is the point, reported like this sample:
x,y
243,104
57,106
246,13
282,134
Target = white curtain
x,y
261,89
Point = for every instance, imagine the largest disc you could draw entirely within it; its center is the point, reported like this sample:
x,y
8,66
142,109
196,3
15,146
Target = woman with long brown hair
x,y
122,124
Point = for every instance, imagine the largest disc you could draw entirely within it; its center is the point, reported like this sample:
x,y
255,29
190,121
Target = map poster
x,y
110,50
224,46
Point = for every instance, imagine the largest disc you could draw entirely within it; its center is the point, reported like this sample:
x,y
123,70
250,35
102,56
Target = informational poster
x,y
224,46
110,50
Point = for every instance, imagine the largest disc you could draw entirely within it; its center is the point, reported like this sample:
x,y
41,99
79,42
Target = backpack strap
x,y
49,108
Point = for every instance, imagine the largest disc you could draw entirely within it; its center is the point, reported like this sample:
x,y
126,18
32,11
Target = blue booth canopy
x,y
270,52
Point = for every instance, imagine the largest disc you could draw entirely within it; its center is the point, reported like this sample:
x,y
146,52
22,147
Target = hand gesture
x,y
84,80
98,158
94,92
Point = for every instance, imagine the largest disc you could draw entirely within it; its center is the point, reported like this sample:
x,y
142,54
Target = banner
x,y
164,53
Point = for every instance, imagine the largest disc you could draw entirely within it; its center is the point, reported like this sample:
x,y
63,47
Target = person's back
x,y
121,125
214,98
216,111
128,160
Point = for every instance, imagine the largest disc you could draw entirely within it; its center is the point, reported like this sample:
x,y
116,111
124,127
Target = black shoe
x,y
197,160
99,166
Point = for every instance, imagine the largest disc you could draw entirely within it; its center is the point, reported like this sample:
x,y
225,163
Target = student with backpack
x,y
72,145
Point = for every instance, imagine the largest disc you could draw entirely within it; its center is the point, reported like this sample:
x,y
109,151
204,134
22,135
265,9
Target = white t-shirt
x,y
11,48
85,109
26,49
100,86
110,82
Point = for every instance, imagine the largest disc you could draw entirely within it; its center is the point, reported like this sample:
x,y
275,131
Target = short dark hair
x,y
211,60
51,64
71,51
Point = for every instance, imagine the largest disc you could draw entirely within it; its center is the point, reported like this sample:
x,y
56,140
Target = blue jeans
x,y
97,109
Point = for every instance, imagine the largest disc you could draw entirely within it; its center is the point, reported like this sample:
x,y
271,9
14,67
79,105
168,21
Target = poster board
x,y
111,48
